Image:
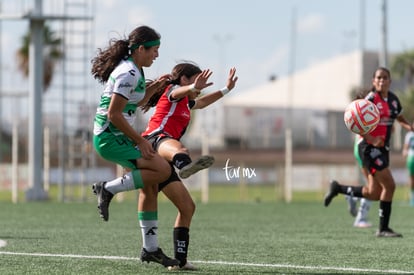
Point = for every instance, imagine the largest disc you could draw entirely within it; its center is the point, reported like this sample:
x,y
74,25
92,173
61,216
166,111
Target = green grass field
x,y
249,234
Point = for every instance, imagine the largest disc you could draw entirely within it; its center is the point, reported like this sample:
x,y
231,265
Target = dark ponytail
x,y
107,60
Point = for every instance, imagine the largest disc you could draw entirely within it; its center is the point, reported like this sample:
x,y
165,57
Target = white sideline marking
x,y
3,243
391,271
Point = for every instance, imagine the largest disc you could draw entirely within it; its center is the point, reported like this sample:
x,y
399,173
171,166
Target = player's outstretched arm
x,y
210,98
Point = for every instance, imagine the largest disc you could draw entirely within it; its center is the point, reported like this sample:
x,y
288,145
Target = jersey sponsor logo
x,y
125,85
185,114
374,153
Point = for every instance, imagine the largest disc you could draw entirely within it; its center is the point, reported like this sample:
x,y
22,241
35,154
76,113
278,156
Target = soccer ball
x,y
361,116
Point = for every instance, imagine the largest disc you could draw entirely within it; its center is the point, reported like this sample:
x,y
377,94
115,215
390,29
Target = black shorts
x,y
374,158
155,140
172,178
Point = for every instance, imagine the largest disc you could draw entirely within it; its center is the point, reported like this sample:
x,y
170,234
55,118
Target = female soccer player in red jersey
x,y
374,152
166,127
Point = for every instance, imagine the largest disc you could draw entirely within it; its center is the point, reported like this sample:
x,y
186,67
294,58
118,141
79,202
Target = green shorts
x,y
357,156
410,165
118,149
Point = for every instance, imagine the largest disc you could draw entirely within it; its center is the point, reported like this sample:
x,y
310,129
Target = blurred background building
x,y
246,125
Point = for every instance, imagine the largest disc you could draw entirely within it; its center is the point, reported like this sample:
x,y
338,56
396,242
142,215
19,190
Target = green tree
x,y
402,67
407,102
51,55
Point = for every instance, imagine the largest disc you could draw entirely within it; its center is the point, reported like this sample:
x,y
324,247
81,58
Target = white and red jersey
x,y
171,116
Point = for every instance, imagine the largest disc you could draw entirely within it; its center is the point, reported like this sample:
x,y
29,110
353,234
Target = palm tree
x,y
51,54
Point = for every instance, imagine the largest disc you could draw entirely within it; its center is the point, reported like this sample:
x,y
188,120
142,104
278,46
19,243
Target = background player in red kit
x,y
374,153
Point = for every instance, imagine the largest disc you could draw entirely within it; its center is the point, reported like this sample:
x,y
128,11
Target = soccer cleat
x,y
187,266
388,233
193,167
362,224
333,192
158,257
104,198
352,205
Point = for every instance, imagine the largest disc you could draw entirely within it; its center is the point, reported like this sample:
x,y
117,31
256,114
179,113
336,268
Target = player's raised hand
x,y
232,79
201,80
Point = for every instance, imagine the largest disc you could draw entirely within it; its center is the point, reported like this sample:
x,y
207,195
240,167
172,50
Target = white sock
x,y
149,234
363,210
124,183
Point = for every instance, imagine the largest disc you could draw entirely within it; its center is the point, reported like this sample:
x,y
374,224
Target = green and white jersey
x,y
409,140
129,82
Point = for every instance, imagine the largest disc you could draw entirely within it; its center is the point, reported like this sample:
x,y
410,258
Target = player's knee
x,y
163,168
188,210
191,207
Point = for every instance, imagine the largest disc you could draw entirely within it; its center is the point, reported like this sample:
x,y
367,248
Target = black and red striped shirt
x,y
389,108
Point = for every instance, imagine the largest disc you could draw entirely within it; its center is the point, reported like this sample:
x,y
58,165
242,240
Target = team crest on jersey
x,y
379,106
141,85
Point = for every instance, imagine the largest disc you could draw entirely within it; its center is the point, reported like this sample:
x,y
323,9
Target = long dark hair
x,y
106,60
187,69
382,69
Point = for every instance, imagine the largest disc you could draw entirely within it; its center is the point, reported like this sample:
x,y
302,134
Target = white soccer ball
x,y
361,116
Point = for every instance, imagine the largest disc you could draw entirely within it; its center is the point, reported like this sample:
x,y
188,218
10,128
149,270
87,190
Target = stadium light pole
x,y
1,86
36,20
384,47
216,110
222,53
289,119
35,191
362,24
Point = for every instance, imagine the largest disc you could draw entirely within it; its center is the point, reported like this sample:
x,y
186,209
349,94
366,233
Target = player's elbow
x,y
113,116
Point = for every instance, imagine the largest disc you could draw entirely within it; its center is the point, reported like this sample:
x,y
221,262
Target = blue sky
x,y
253,36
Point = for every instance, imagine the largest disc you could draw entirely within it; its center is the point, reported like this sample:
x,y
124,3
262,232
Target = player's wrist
x,y
193,89
224,90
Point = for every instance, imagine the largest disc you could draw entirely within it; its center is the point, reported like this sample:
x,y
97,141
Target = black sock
x,y
355,191
181,238
180,160
384,214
